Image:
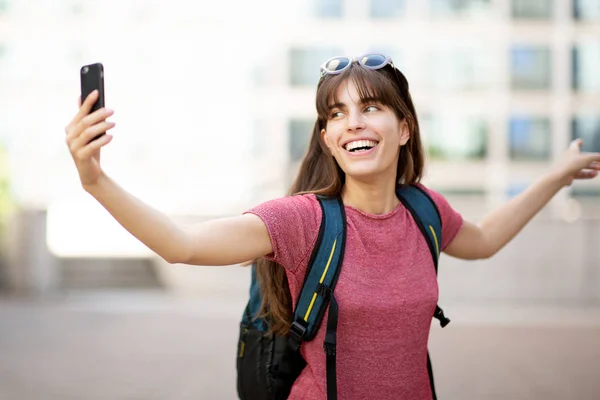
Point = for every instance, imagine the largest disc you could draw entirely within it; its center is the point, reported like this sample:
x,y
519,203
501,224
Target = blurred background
x,y
214,108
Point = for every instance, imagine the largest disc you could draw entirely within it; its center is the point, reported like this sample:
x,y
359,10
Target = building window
x,y
305,65
76,7
532,9
300,132
328,8
450,8
4,6
586,10
585,193
530,67
459,68
455,138
387,8
586,67
259,142
529,139
588,129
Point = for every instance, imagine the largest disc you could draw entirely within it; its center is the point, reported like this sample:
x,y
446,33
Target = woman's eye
x,y
336,114
371,108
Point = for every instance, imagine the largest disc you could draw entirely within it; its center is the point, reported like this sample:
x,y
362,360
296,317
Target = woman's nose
x,y
355,121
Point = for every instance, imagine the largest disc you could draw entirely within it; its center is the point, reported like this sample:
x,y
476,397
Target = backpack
x,y
268,364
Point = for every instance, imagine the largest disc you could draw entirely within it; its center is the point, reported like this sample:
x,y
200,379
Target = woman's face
x,y
364,136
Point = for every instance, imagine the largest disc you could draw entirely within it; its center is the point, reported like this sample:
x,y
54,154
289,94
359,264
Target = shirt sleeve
x,y
452,220
293,225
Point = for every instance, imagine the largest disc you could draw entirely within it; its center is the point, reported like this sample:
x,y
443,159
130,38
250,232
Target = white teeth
x,y
360,143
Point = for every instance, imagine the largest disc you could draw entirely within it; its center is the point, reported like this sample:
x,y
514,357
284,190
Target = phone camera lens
x,y
85,70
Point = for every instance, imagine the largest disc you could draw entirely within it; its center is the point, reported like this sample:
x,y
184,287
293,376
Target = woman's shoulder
x,y
295,214
436,196
451,219
300,203
293,225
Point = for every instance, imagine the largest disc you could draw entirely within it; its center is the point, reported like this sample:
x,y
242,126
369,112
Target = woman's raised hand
x,y
80,131
576,164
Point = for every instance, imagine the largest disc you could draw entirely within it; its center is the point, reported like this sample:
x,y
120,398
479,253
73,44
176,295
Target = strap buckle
x,y
297,331
439,314
324,291
329,348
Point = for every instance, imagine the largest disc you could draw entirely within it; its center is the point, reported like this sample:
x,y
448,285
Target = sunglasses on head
x,y
336,65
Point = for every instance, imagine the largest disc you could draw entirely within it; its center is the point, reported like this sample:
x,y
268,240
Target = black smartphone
x,y
92,78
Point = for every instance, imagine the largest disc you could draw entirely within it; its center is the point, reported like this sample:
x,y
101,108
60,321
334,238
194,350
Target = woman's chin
x,y
363,172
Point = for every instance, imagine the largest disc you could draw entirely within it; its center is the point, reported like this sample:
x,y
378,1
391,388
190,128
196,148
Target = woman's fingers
x,y
90,133
586,174
595,165
94,118
87,151
95,130
84,109
576,144
89,120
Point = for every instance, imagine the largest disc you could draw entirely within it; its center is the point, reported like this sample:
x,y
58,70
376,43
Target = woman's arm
x,y
501,225
218,242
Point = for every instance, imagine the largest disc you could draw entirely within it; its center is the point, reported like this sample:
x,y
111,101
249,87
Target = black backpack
x,y
268,364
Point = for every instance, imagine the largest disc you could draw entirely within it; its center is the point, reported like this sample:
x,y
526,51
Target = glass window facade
x,y
530,138
532,9
449,8
586,10
587,128
4,5
305,64
586,67
459,68
530,67
455,138
386,8
328,8
300,131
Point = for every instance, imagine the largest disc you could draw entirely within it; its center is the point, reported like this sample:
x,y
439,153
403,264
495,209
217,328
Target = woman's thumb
x,y
576,144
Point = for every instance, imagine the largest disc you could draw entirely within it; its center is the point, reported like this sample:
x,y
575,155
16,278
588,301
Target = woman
x,y
365,142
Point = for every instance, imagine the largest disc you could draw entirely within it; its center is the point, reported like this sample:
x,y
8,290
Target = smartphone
x,y
92,78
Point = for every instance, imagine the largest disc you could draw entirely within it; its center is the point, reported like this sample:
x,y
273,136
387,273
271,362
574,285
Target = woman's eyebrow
x,y
364,101
336,105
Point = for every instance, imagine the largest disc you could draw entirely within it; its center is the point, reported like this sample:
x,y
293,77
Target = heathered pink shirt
x,y
387,292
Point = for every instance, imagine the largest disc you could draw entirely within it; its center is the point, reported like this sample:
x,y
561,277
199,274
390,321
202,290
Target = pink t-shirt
x,y
386,291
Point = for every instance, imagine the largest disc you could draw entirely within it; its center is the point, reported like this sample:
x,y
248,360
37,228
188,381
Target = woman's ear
x,y
324,138
404,133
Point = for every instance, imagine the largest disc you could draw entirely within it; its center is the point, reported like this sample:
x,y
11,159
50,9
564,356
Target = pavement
x,y
153,346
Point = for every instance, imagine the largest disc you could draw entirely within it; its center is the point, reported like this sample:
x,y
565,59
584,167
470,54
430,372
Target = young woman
x,y
365,142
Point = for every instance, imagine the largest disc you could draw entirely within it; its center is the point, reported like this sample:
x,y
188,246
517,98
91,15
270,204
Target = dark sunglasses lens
x,y
337,64
373,60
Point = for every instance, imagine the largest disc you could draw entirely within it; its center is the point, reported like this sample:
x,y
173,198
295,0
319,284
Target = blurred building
x,y
219,99
501,88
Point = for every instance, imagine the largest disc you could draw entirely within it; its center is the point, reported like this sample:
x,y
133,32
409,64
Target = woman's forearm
x,y
150,226
504,223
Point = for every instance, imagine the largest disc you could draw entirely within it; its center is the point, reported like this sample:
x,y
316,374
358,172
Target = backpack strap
x,y
427,216
317,291
323,271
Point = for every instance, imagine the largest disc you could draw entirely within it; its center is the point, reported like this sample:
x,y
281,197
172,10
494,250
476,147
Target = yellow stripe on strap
x,y
437,247
314,298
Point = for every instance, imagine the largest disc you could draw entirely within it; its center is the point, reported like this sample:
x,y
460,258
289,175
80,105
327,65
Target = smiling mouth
x,y
360,146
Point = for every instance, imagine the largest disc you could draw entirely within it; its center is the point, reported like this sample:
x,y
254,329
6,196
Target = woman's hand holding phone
x,y
81,131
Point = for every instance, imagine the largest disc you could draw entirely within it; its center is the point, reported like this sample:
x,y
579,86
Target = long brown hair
x,y
319,173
